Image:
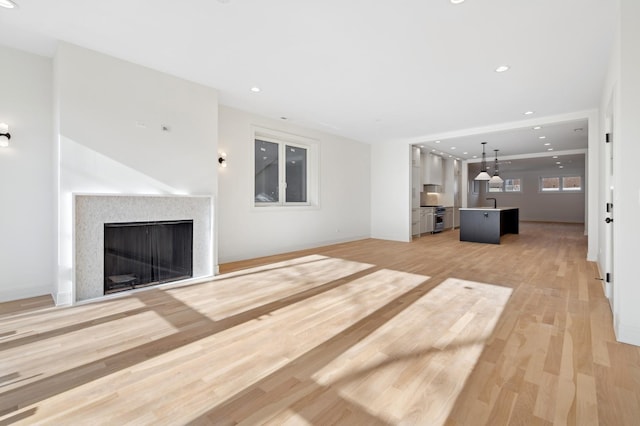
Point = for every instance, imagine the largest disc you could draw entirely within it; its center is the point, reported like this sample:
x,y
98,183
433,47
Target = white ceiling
x,y
546,139
370,70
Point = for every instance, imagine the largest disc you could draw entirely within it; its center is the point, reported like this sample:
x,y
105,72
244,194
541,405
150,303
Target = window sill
x,y
283,208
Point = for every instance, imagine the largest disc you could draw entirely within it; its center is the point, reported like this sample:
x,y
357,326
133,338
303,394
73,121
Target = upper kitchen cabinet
x,y
432,171
416,179
415,156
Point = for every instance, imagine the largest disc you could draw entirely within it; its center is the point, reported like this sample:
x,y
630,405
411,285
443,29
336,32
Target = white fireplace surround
x,y
92,211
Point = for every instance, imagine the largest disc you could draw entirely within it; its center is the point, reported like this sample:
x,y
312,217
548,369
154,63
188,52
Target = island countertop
x,y
498,209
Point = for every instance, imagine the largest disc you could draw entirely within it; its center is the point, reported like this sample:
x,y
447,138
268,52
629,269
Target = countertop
x,y
499,209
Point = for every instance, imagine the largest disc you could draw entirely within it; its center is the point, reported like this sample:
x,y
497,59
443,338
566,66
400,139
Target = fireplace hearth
x,y
141,254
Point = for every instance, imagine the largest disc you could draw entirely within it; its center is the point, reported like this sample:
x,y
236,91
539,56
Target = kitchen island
x,y
487,225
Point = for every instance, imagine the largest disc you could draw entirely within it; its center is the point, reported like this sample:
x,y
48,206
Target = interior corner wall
x,y
343,211
391,191
127,129
26,171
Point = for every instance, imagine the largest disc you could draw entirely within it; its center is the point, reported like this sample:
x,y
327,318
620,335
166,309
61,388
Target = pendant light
x,y
483,175
496,180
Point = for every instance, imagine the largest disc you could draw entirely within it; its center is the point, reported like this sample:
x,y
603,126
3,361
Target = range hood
x,y
432,188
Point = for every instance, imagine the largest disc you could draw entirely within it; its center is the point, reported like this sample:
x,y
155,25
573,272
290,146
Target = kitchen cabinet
x,y
416,178
426,220
448,218
432,172
415,157
415,221
486,225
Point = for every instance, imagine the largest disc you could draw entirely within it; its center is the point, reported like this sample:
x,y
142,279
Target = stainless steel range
x,y
438,218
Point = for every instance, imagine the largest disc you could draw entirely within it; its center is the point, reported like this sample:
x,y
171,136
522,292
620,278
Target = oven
x,y
438,219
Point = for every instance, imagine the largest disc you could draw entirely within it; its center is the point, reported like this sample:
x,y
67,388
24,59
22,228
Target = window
x,y
561,184
572,183
475,186
548,184
494,187
284,172
513,185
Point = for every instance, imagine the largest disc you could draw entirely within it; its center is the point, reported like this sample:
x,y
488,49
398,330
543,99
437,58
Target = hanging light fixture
x,y
483,175
496,180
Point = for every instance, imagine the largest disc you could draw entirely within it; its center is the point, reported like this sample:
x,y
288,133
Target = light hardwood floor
x,y
370,332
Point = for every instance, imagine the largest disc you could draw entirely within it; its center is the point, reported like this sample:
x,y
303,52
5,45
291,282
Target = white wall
x,y
534,205
624,85
26,175
391,191
109,114
343,213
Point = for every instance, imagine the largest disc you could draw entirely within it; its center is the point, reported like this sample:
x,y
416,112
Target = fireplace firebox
x,y
140,254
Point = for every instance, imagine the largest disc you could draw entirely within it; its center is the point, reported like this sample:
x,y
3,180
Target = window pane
x,y
572,183
296,174
550,184
512,185
266,168
493,187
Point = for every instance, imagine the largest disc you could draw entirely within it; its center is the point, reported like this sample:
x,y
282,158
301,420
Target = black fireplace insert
x,y
140,254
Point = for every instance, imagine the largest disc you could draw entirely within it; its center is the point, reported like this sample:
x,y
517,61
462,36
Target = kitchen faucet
x,y
495,202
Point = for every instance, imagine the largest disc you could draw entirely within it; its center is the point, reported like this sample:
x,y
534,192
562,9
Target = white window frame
x,y
561,189
283,140
505,185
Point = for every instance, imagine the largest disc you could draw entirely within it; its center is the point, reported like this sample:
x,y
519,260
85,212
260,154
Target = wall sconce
x,y
4,133
222,159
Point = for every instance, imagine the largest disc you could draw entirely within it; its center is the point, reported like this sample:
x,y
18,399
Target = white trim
x,y
284,139
626,333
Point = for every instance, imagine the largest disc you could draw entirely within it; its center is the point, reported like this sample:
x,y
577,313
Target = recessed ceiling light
x,y
502,68
542,137
437,141
465,153
456,1
561,167
555,156
453,147
528,112
475,156
537,128
451,156
558,162
8,4
421,146
433,150
255,89
547,144
549,149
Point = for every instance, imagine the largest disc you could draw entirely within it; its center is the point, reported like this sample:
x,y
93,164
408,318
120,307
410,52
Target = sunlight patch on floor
x,y
413,367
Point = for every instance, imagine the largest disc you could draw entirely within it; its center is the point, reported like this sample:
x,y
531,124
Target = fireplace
x,y
140,254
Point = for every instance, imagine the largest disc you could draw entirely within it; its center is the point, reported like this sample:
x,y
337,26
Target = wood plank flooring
x,y
371,332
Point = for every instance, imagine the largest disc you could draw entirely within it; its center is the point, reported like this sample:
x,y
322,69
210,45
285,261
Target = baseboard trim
x,y
627,333
18,294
